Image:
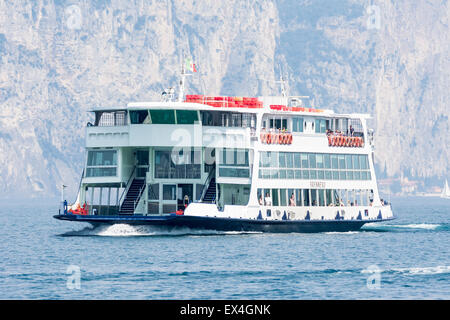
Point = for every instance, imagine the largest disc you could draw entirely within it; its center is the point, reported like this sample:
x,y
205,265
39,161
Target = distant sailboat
x,y
446,191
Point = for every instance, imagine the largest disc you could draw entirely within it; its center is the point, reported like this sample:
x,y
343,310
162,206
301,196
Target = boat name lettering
x,y
317,184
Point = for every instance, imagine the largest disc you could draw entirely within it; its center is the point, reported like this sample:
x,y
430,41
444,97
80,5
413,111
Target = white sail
x,y
446,191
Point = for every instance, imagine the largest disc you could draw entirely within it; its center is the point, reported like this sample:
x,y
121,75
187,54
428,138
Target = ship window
x,y
297,124
234,172
341,158
304,158
282,159
348,161
113,118
314,197
236,157
334,161
283,200
320,126
274,174
335,175
153,207
306,198
320,174
356,162
297,162
326,160
363,161
163,116
298,200
139,116
305,174
169,192
312,160
187,167
102,158
275,201
142,157
328,196
277,123
186,117
153,191
289,162
349,175
363,175
319,160
290,174
321,197
101,163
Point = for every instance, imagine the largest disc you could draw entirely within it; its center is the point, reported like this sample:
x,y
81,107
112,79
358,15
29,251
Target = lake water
x,y
43,258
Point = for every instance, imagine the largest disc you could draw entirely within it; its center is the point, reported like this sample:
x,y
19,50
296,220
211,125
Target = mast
x,y
183,77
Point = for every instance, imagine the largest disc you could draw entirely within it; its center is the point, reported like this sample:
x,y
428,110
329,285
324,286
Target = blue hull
x,y
226,224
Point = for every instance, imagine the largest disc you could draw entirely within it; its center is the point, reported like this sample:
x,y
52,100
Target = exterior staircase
x,y
133,195
210,195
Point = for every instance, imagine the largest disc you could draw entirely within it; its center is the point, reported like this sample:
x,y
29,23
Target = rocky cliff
x,y
60,58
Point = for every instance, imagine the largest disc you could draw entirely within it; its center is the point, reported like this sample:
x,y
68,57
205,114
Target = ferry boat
x,y
264,164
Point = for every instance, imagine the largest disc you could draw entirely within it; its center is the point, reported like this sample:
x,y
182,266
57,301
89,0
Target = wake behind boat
x,y
269,164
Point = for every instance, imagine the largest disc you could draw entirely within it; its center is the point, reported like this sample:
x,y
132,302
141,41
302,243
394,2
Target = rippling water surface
x,y
408,258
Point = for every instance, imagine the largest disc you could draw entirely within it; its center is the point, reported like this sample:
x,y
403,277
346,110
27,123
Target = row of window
x,y
315,174
314,197
228,119
234,163
101,163
189,166
269,159
163,116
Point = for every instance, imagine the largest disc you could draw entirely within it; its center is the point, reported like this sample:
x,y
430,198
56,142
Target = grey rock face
x,y
58,59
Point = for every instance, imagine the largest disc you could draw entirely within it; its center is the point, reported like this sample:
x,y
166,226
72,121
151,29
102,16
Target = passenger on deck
x,y
261,200
351,131
292,200
268,200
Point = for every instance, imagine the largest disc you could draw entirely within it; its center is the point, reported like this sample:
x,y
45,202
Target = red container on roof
x,y
194,96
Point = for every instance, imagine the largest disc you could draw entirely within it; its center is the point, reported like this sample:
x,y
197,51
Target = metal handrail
x,y
139,196
127,186
207,183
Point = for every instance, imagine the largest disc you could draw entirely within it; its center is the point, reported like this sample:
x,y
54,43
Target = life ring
x,y
275,138
283,138
269,138
262,137
290,138
341,141
329,140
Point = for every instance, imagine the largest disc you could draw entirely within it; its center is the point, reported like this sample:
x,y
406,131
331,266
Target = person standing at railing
x,y
351,130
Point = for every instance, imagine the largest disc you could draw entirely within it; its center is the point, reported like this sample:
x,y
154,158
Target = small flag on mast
x,y
189,64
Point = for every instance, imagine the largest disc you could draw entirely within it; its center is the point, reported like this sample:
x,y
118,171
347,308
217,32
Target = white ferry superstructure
x,y
269,164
